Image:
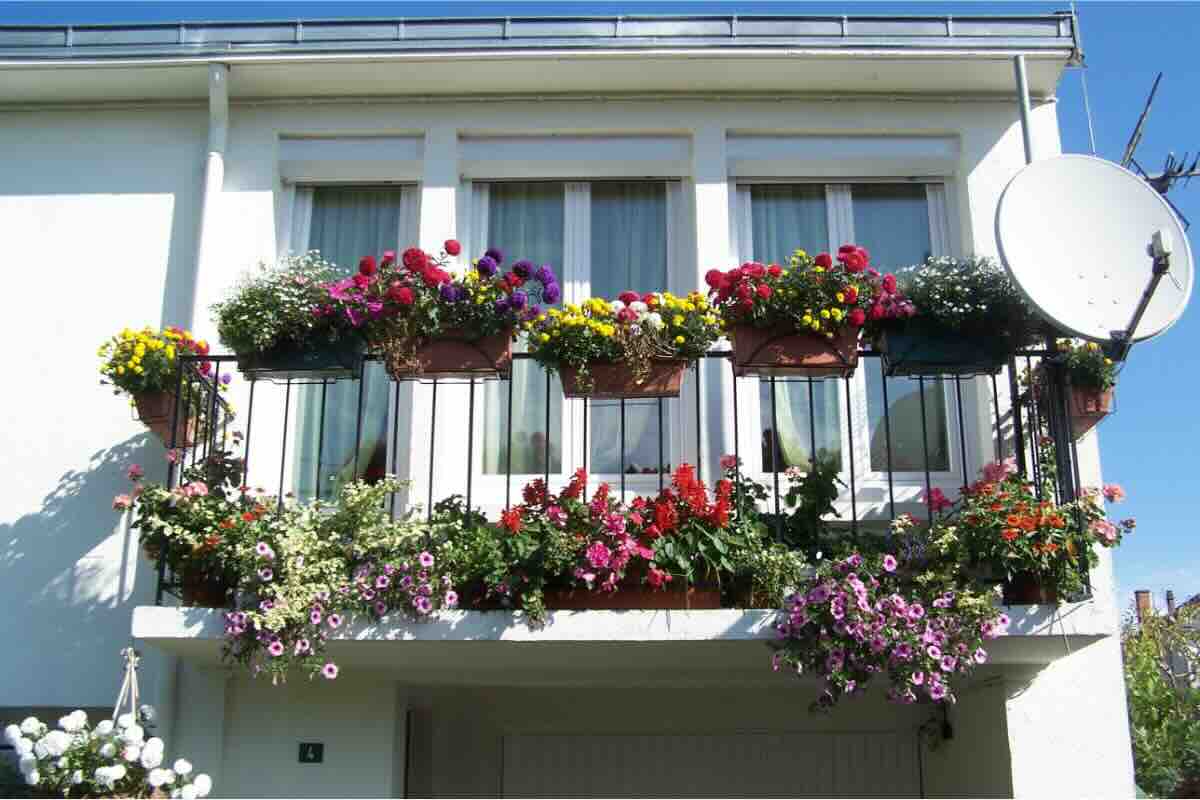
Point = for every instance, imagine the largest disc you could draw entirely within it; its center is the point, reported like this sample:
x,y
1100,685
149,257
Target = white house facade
x,y
143,168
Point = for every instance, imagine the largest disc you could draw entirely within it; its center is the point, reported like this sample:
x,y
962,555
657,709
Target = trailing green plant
x,y
1162,685
971,297
274,305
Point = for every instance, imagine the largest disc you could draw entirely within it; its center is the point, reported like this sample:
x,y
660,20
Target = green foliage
x,y
275,305
1087,365
1162,667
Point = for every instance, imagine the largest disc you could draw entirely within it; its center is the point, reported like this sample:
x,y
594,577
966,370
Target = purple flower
x,y
450,600
980,655
544,275
502,305
265,574
264,551
918,678
551,293
425,559
523,268
335,621
381,608
275,648
937,691
315,617
226,378
903,651
916,611
495,254
934,652
486,266
449,293
949,663
301,647
854,561
889,563
517,300
422,604
329,671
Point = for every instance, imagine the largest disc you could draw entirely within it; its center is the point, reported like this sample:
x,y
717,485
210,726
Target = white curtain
x,y
892,221
344,224
628,251
523,220
785,217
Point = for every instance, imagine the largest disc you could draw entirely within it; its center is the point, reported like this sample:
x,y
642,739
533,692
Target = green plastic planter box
x,y
920,350
325,361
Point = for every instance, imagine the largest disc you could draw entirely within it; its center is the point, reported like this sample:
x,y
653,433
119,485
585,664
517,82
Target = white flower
x,y
108,750
189,792
32,777
132,752
638,306
126,720
134,734
23,746
203,785
77,777
74,722
616,305
27,764
655,320
147,713
56,742
41,748
157,777
11,734
104,727
31,726
152,753
182,767
62,763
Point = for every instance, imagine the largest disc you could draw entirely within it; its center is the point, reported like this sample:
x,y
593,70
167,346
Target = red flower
x,y
856,318
720,513
650,299
665,517
511,520
452,247
514,280
846,249
389,258
628,297
823,260
534,493
657,578
889,283
504,286
248,517
627,315
715,279
774,270
854,261
763,291
413,257
851,295
366,265
744,292
753,269
575,487
361,280
401,294
653,531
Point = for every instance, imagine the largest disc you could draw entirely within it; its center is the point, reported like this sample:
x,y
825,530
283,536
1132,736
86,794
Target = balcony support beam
x,y
210,191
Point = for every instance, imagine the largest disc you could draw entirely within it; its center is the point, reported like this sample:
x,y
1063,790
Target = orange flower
x,y
226,524
1010,534
248,517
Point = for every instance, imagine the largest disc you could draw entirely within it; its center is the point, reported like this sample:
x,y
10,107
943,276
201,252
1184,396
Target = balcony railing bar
x,y
287,408
995,407
887,430
850,431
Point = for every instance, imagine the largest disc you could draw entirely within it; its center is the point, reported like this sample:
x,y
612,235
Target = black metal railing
x,y
1034,408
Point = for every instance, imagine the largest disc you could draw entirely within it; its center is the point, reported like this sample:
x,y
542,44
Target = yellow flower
x,y
836,314
120,370
1093,346
170,351
824,313
818,269
1108,362
807,319
677,320
679,340
841,298
545,337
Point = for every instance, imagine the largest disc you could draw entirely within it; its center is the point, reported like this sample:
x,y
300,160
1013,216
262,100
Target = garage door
x,y
728,765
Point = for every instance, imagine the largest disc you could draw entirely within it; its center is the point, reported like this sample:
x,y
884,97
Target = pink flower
x,y
122,502
999,470
729,461
450,600
136,472
980,655
598,555
425,559
172,456
937,500
196,489
301,647
918,678
1113,492
556,515
1105,530
275,648
889,563
329,671
335,621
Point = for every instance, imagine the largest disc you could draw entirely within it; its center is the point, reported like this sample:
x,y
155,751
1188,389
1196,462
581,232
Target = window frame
x,y
868,481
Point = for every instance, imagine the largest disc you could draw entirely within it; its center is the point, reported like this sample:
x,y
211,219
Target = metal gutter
x,y
64,45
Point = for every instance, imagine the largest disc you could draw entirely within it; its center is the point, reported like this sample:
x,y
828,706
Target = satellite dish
x,y
1075,232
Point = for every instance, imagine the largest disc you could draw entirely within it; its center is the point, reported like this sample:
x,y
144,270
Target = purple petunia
x,y
502,305
449,293
265,574
934,652
335,621
450,600
381,608
980,655
425,559
918,678
523,268
486,266
889,563
544,275
517,300
301,646
422,604
551,293
275,648
949,663
383,582
315,617
495,254
329,671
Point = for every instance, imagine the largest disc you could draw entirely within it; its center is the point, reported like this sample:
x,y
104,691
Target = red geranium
x,y
366,265
452,247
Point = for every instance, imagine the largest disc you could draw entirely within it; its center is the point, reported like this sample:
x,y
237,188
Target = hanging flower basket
x,y
157,411
342,358
607,381
915,350
1088,406
783,351
452,353
202,590
639,596
1026,588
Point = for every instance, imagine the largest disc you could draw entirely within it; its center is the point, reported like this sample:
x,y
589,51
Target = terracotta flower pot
x,y
202,590
157,412
607,381
1025,588
784,351
1088,407
637,596
454,353
293,361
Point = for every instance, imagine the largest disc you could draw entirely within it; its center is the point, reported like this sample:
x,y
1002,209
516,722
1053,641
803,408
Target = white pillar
x,y
710,192
439,184
210,197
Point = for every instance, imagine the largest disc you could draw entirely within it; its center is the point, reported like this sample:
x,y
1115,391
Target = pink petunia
x,y
136,473
122,502
1113,492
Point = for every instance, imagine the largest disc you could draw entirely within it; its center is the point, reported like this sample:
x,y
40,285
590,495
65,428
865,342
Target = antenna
x,y
1136,138
1174,169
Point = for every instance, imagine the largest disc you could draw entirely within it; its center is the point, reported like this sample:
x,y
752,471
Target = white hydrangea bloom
x,y
108,750
182,766
147,713
57,743
158,777
131,752
62,763
134,734
32,778
639,306
23,746
74,722
11,734
189,792
77,777
203,785
26,764
104,727
41,748
126,720
31,726
616,305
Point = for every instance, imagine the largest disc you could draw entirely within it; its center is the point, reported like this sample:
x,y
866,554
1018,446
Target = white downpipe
x,y
214,179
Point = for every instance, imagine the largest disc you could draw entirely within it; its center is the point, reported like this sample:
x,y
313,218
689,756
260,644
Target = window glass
x,y
332,445
891,220
628,251
525,220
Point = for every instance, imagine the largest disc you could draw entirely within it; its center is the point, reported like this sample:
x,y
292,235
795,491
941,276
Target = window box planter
x,y
202,590
157,412
295,361
1025,588
455,353
1087,406
607,381
784,351
922,350
639,596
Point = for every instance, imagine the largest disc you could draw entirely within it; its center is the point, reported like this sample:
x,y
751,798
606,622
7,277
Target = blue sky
x,y
1148,444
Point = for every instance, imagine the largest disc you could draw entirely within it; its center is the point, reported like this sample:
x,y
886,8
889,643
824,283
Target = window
x,y
601,238
334,443
893,221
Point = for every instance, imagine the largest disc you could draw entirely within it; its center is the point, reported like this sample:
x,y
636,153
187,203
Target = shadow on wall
x,y
69,572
